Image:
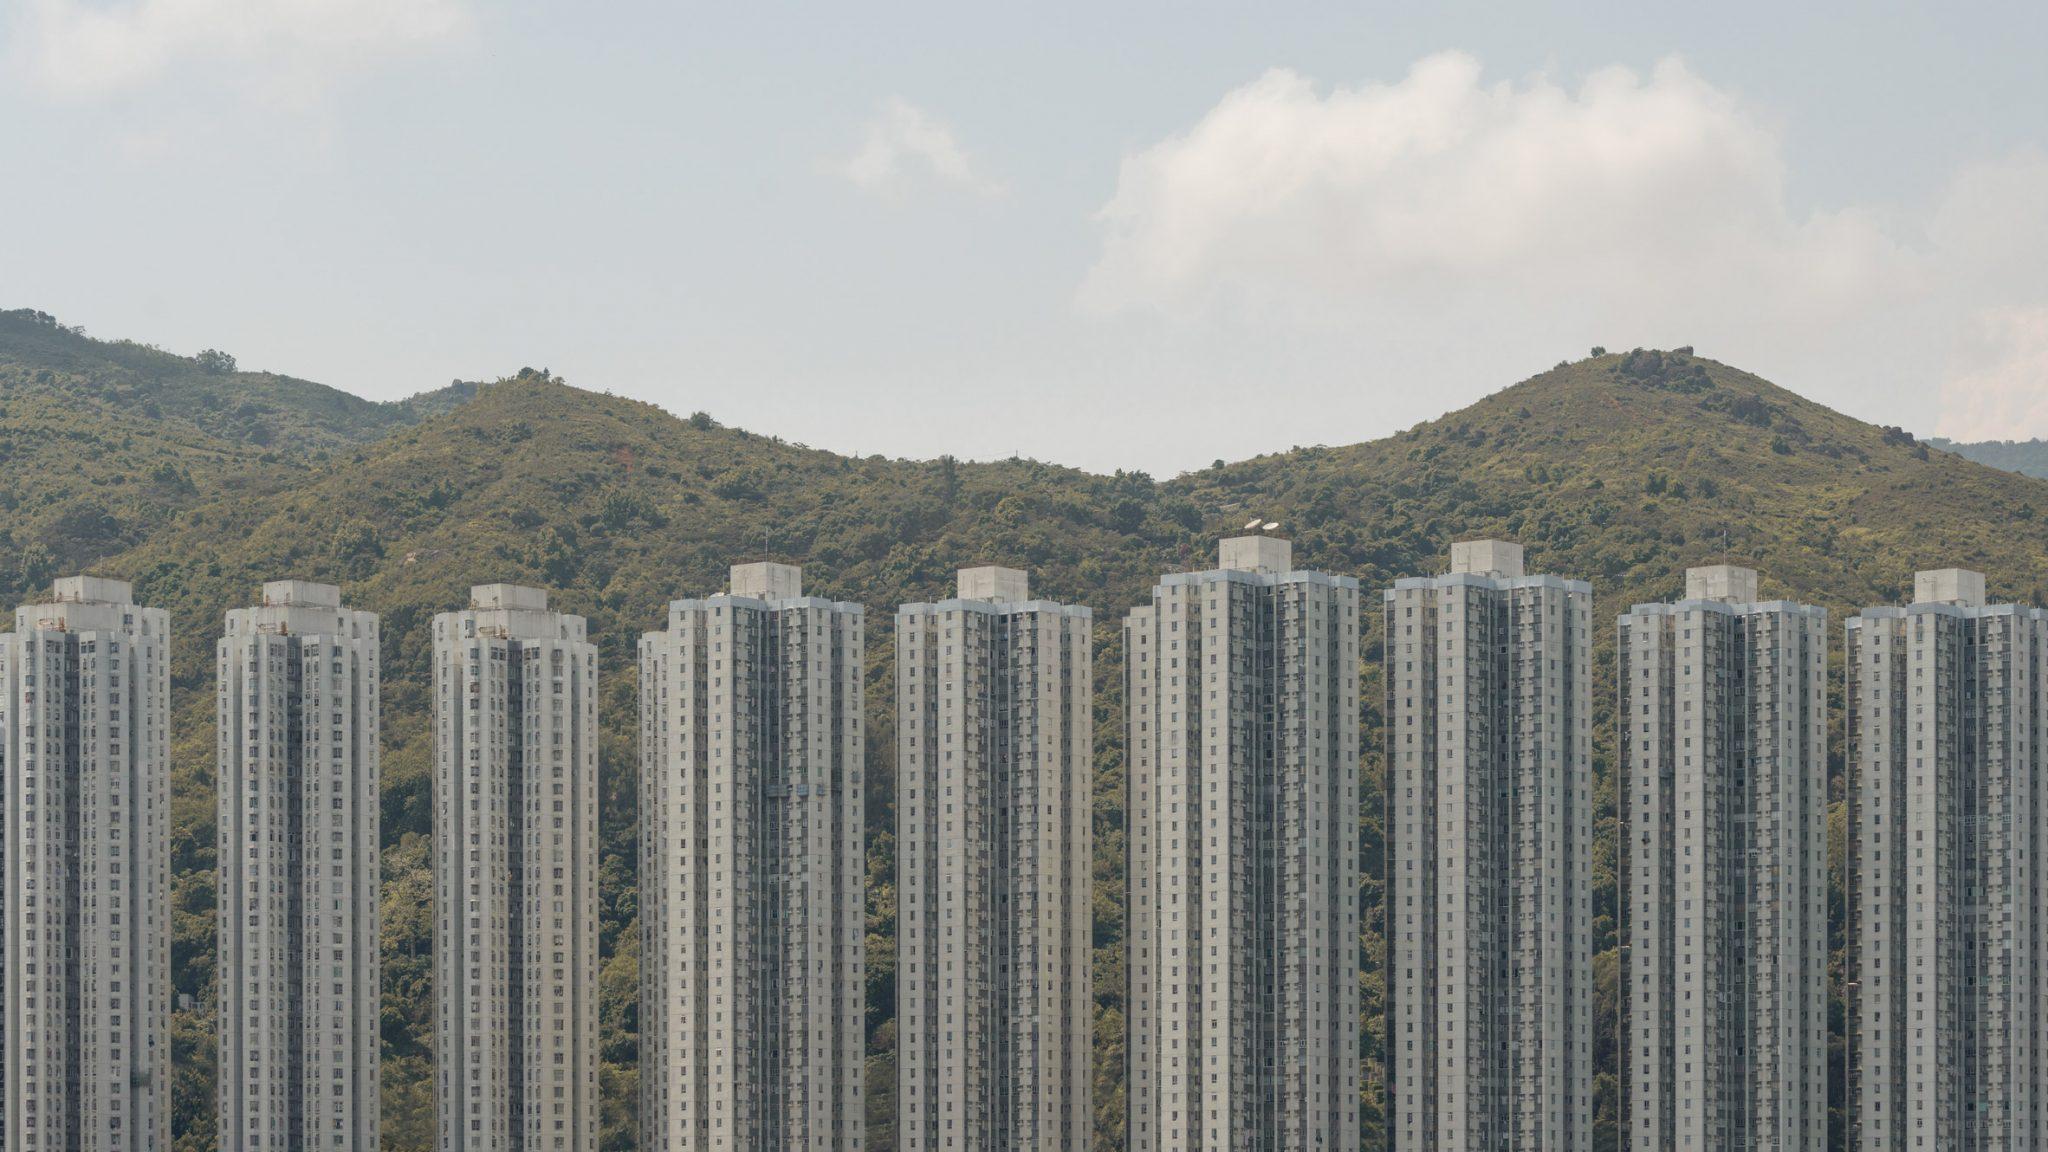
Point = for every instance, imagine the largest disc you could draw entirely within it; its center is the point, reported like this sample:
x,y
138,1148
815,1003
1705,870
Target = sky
x,y
1141,236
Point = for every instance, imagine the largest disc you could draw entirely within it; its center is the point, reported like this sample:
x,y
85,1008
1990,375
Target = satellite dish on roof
x,y
1252,523
1272,524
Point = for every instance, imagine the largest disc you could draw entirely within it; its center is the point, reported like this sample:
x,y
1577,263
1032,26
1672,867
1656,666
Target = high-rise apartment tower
x,y
1948,897
1721,718
1242,739
85,943
515,875
297,851
994,985
752,858
1490,818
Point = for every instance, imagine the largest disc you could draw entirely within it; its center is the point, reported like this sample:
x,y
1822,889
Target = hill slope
x,y
202,393
103,442
2027,457
1624,468
1621,469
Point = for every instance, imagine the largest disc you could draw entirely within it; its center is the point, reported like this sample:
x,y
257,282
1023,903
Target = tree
x,y
215,362
356,547
36,565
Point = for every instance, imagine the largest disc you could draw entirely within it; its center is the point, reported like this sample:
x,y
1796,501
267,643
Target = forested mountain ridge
x,y
104,441
205,392
2027,457
1621,469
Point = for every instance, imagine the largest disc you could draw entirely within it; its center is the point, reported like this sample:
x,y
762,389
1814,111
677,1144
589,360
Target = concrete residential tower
x,y
515,875
1722,723
752,857
994,984
297,727
1242,740
1490,817
1948,897
85,943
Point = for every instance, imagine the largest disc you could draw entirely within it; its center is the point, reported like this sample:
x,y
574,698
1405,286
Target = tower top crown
x,y
1500,558
766,580
1268,554
91,590
1002,585
302,593
1724,582
1958,586
512,597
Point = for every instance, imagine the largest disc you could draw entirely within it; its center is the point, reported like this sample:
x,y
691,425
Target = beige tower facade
x,y
1489,813
752,923
515,875
1722,725
297,851
85,943
1948,896
1242,738
994,972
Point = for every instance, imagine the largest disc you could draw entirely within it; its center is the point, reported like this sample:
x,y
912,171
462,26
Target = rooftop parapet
x,y
1726,583
301,594
1958,586
766,580
91,590
1497,558
1002,585
508,597
1268,554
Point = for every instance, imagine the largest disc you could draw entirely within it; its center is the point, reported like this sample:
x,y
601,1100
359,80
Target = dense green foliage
x,y
102,442
1622,469
2027,457
203,393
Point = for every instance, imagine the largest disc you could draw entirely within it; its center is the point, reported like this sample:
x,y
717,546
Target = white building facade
x,y
753,924
297,728
515,875
994,973
1721,721
1948,899
1489,814
84,873
1242,740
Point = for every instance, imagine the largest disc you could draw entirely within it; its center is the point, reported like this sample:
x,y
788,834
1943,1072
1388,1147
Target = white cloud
x,y
1401,222
1430,182
282,48
2002,391
904,141
1991,226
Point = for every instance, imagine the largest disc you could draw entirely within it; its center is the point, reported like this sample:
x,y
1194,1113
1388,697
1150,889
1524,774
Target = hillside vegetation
x,y
2027,457
103,442
1622,469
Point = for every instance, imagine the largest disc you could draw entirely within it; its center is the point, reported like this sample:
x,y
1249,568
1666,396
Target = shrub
x,y
215,362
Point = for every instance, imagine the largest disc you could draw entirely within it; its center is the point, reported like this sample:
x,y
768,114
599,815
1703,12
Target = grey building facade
x,y
515,875
752,919
297,727
1948,901
1721,720
994,975
85,943
1489,814
1242,740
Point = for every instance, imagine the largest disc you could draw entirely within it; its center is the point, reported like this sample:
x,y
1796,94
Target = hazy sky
x,y
1140,238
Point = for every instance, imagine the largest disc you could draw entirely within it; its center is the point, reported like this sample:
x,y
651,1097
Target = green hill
x,y
103,442
203,393
2027,457
1620,469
